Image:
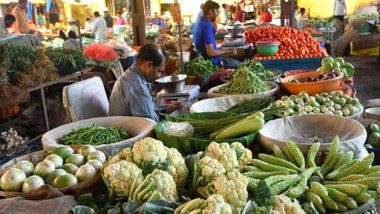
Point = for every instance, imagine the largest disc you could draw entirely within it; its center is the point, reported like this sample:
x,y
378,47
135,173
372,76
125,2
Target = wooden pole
x,y
138,21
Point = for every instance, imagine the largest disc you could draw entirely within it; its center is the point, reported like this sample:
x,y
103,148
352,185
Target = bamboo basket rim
x,y
36,157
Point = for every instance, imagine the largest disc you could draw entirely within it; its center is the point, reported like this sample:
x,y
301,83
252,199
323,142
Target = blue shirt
x,y
203,35
131,96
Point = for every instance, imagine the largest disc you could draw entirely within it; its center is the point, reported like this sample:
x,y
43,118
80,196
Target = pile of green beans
x,y
94,135
199,67
244,82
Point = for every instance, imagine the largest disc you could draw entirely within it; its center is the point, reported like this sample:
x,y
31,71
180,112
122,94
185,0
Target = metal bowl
x,y
235,31
173,83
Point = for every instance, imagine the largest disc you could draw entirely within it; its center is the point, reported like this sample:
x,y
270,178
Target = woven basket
x,y
36,157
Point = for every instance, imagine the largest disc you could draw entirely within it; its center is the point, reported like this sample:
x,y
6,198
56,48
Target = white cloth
x,y
339,7
88,25
99,29
223,16
3,29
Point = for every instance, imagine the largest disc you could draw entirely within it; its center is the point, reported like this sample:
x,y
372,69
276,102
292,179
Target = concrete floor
x,y
366,77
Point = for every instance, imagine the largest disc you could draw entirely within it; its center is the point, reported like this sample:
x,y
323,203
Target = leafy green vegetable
x,y
94,135
199,67
244,82
257,68
17,58
63,56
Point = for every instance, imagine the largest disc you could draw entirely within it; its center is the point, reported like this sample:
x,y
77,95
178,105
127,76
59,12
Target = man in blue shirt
x,y
131,94
204,40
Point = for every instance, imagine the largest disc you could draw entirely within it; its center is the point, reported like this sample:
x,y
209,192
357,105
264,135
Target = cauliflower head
x,y
216,205
284,205
149,154
119,177
223,153
233,187
177,166
165,185
125,154
243,155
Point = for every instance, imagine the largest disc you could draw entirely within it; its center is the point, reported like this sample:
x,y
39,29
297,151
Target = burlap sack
x,y
365,42
20,205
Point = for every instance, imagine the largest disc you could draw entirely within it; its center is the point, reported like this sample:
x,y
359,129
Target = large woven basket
x,y
35,157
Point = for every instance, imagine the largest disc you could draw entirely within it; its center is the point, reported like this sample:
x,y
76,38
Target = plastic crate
x,y
293,64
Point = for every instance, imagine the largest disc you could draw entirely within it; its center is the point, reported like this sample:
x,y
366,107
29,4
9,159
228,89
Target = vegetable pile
x,y
257,68
373,135
10,140
244,81
337,64
294,43
325,76
61,168
338,184
94,135
199,67
330,103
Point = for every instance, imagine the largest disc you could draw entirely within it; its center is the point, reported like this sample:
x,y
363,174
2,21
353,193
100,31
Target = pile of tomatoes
x,y
294,43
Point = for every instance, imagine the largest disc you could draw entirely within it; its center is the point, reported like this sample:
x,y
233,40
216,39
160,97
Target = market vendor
x,y
6,22
204,40
131,94
21,25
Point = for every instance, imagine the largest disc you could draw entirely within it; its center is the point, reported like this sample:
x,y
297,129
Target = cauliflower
x,y
206,170
149,154
233,187
120,176
176,166
125,154
159,185
214,204
284,205
223,153
243,155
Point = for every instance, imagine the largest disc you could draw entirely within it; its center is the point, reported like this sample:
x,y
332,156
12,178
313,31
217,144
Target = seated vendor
x,y
204,40
131,94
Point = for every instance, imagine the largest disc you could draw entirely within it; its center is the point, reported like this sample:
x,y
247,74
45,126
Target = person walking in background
x,y
108,18
301,17
99,28
340,10
239,16
6,22
41,21
21,25
266,17
120,19
223,14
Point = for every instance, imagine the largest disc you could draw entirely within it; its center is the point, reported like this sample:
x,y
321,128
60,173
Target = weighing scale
x,y
233,41
164,99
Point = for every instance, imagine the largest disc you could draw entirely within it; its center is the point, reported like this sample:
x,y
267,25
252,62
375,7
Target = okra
x,y
301,187
363,197
352,177
329,203
316,200
346,157
250,168
289,156
318,189
348,189
278,153
310,158
271,167
252,184
283,185
279,162
371,170
350,203
357,167
334,148
262,175
336,195
334,174
296,154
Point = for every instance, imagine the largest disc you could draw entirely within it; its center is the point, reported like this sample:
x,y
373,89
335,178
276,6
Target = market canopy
x,y
324,8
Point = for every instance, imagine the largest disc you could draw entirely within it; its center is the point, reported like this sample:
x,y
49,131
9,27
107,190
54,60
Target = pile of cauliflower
x,y
151,171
